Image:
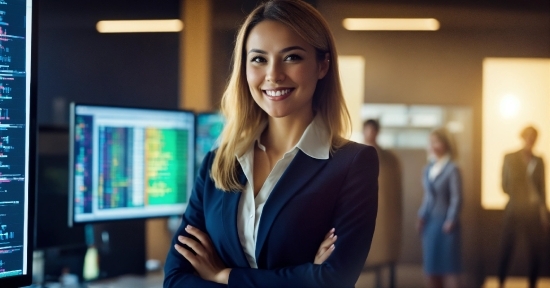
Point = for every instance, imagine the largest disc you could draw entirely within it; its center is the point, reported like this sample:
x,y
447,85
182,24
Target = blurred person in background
x,y
386,242
526,213
438,217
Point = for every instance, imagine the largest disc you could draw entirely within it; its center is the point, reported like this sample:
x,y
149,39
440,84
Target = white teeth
x,y
277,93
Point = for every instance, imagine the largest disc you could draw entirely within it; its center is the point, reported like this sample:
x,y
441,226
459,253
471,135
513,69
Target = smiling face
x,y
282,70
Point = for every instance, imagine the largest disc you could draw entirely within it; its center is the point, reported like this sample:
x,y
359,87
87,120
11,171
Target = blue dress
x,y
441,202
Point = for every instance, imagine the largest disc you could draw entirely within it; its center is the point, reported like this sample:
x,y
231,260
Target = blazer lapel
x,y
443,171
298,173
230,208
429,183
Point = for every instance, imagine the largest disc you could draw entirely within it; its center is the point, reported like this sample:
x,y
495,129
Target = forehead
x,y
273,35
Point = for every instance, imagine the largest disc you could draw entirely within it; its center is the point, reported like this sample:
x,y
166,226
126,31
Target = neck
x,y
283,133
440,157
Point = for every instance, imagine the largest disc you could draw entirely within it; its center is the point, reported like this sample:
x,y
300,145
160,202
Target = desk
x,y
152,280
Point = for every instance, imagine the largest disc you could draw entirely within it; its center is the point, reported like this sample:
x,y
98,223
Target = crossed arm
x,y
208,264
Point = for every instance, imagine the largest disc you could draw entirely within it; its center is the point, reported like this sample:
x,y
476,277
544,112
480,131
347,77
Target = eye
x,y
293,57
257,59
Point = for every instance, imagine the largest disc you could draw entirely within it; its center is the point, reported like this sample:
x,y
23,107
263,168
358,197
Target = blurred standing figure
x,y
438,217
523,181
386,242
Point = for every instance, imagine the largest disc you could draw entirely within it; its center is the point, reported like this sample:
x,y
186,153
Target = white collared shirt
x,y
438,166
314,142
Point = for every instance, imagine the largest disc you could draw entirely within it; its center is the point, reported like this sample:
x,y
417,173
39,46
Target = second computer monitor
x,y
128,163
209,129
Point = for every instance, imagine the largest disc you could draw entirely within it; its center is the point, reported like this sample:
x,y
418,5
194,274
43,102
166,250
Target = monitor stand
x,y
120,248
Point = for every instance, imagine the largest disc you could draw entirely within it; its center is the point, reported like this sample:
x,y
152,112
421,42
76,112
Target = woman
x,y
283,175
523,180
438,221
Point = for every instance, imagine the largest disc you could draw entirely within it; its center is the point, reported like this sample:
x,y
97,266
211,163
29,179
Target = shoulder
x,y
513,155
208,160
428,166
353,150
453,167
354,156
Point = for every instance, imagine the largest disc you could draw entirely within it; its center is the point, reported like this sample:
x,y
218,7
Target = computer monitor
x,y
128,163
209,128
17,140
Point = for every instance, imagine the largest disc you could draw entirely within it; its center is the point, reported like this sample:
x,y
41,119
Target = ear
x,y
323,66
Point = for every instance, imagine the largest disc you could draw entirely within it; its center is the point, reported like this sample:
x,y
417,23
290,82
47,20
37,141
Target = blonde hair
x,y
243,116
444,136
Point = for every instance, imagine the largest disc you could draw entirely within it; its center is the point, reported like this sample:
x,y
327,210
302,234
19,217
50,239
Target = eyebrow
x,y
282,51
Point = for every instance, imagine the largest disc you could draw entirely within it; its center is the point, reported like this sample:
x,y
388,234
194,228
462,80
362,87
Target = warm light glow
x,y
352,77
139,26
509,106
391,24
516,93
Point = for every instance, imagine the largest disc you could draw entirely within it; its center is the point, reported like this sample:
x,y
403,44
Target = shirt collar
x,y
443,161
315,141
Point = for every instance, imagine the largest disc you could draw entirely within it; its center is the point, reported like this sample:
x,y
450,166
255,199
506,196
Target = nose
x,y
275,73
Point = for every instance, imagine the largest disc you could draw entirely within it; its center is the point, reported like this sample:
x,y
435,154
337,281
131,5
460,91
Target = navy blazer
x,y
311,197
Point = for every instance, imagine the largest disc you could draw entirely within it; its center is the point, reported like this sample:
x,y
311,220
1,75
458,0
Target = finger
x,y
187,254
324,256
326,244
329,241
331,232
196,246
201,236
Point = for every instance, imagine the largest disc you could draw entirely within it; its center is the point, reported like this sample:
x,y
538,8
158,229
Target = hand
x,y
206,261
326,248
448,226
420,225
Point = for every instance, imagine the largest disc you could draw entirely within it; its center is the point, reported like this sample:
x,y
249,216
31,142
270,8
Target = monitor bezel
x,y
72,112
26,279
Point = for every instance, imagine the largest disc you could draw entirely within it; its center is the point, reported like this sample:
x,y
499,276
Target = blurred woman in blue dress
x,y
438,217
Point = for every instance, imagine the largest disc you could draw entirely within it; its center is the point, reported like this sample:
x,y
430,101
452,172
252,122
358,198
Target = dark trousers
x,y
528,225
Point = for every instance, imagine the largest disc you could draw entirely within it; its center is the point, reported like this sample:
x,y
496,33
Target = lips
x,y
278,94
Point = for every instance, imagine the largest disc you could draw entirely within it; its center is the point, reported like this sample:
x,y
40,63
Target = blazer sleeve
x,y
423,210
505,173
455,201
354,220
178,272
542,182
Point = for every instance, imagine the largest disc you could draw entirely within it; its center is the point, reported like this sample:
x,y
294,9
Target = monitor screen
x,y
17,140
209,128
128,163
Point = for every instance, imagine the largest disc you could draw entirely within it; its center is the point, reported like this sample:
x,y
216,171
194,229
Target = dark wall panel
x,y
76,63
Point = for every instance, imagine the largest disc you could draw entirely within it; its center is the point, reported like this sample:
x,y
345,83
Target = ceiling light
x,y
139,26
391,24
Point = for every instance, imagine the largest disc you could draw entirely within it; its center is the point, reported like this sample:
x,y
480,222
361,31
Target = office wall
x,y
442,68
76,63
